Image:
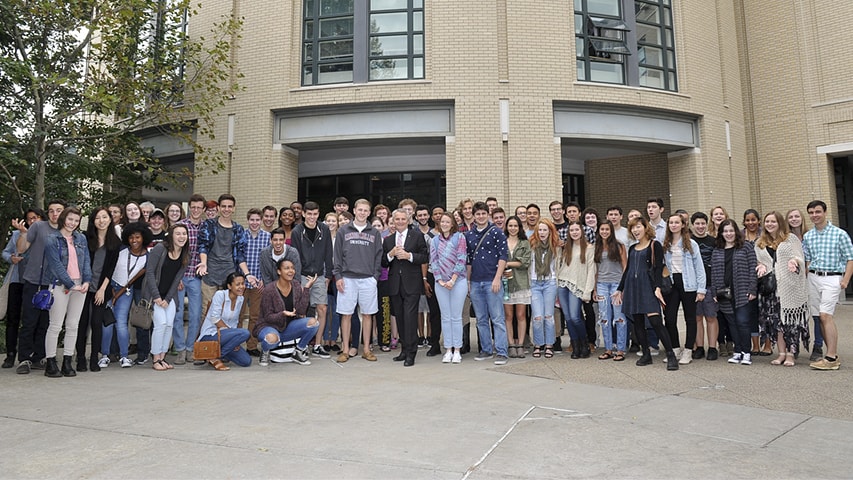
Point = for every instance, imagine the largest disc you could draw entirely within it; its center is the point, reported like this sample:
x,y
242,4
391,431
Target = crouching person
x,y
224,316
283,318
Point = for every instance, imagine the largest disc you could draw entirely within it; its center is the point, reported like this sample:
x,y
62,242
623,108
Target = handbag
x,y
140,314
109,317
207,349
724,294
767,284
283,352
43,299
666,282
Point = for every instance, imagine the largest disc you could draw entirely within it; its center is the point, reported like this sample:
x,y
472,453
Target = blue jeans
x,y
450,304
121,309
740,326
295,329
192,288
611,315
818,335
544,294
571,306
489,305
229,345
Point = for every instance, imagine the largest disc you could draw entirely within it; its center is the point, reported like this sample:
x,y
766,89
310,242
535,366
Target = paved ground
x,y
557,418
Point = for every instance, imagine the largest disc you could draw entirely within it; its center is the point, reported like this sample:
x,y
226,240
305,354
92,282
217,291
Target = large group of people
x,y
411,277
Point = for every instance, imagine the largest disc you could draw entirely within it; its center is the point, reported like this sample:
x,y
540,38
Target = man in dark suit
x,y
404,252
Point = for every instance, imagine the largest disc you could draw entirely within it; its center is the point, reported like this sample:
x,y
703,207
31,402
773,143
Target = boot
x,y
466,338
645,359
93,363
576,349
671,361
51,369
67,369
81,363
585,349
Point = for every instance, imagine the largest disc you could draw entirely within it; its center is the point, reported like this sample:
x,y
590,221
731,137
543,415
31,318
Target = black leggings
x,y
92,318
688,303
657,325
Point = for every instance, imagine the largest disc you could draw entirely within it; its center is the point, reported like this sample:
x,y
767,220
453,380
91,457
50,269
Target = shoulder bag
x,y
207,349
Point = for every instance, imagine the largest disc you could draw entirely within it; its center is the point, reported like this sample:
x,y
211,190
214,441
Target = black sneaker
x,y
712,354
320,352
301,356
39,365
558,345
9,362
24,368
698,353
140,361
335,348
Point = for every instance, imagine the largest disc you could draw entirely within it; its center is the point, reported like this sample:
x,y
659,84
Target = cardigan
x,y
150,287
578,277
520,280
743,274
272,307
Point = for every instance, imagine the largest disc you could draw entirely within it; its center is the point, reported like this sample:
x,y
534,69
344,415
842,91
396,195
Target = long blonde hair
x,y
773,241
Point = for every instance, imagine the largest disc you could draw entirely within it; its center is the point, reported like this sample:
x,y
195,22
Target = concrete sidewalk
x,y
556,418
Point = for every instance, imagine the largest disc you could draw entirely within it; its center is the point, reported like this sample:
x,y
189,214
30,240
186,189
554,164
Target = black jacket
x,y
316,256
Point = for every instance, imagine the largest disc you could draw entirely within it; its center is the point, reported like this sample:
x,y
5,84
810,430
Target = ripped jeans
x,y
543,296
610,316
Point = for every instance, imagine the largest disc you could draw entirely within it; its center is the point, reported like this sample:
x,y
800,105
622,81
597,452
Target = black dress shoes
x,y
409,361
435,350
400,357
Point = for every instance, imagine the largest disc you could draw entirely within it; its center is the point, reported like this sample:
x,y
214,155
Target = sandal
x,y
780,360
163,362
607,355
789,360
385,348
520,351
393,344
512,351
548,352
218,365
619,357
537,352
158,366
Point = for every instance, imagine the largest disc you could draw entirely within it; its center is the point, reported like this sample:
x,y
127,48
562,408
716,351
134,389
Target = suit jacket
x,y
405,277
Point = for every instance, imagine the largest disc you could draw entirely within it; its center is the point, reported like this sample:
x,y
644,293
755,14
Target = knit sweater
x,y
791,288
743,275
577,276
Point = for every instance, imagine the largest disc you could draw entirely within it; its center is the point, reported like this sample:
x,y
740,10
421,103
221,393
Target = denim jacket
x,y
56,260
692,268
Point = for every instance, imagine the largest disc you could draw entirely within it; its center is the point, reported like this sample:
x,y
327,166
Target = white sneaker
x,y
126,362
736,358
448,357
457,357
104,362
677,351
686,356
747,359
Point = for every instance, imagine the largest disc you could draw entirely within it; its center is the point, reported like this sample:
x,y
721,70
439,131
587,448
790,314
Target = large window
x,y
626,42
356,41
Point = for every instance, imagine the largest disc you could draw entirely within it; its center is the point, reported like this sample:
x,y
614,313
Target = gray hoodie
x,y
358,254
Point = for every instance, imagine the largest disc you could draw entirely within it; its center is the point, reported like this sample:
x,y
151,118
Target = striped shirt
x,y
448,256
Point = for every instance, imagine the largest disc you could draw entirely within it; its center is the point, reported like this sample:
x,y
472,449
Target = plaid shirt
x,y
207,236
827,250
192,242
254,245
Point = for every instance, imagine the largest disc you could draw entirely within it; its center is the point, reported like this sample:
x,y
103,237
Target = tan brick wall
x,y
731,68
627,182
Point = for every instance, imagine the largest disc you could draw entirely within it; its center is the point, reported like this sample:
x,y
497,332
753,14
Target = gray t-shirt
x,y
97,267
38,235
609,271
220,258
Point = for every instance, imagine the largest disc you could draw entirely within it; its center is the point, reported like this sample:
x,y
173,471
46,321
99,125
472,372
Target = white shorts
x,y
824,293
361,292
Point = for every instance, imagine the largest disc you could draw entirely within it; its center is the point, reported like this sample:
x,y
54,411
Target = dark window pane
x,y
335,7
336,27
336,49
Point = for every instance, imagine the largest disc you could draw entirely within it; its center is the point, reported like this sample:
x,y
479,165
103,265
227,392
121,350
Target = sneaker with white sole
x,y
448,357
126,362
500,360
457,357
104,362
746,359
483,356
735,358
264,359
320,352
300,357
686,357
825,364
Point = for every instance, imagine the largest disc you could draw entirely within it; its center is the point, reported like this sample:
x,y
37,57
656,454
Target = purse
x,y
43,299
724,294
207,349
666,282
767,284
109,317
140,314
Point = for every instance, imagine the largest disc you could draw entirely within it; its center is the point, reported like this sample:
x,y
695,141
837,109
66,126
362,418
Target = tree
x,y
79,79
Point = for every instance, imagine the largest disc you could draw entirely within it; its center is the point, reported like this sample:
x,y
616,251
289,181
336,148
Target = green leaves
x,y
79,79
